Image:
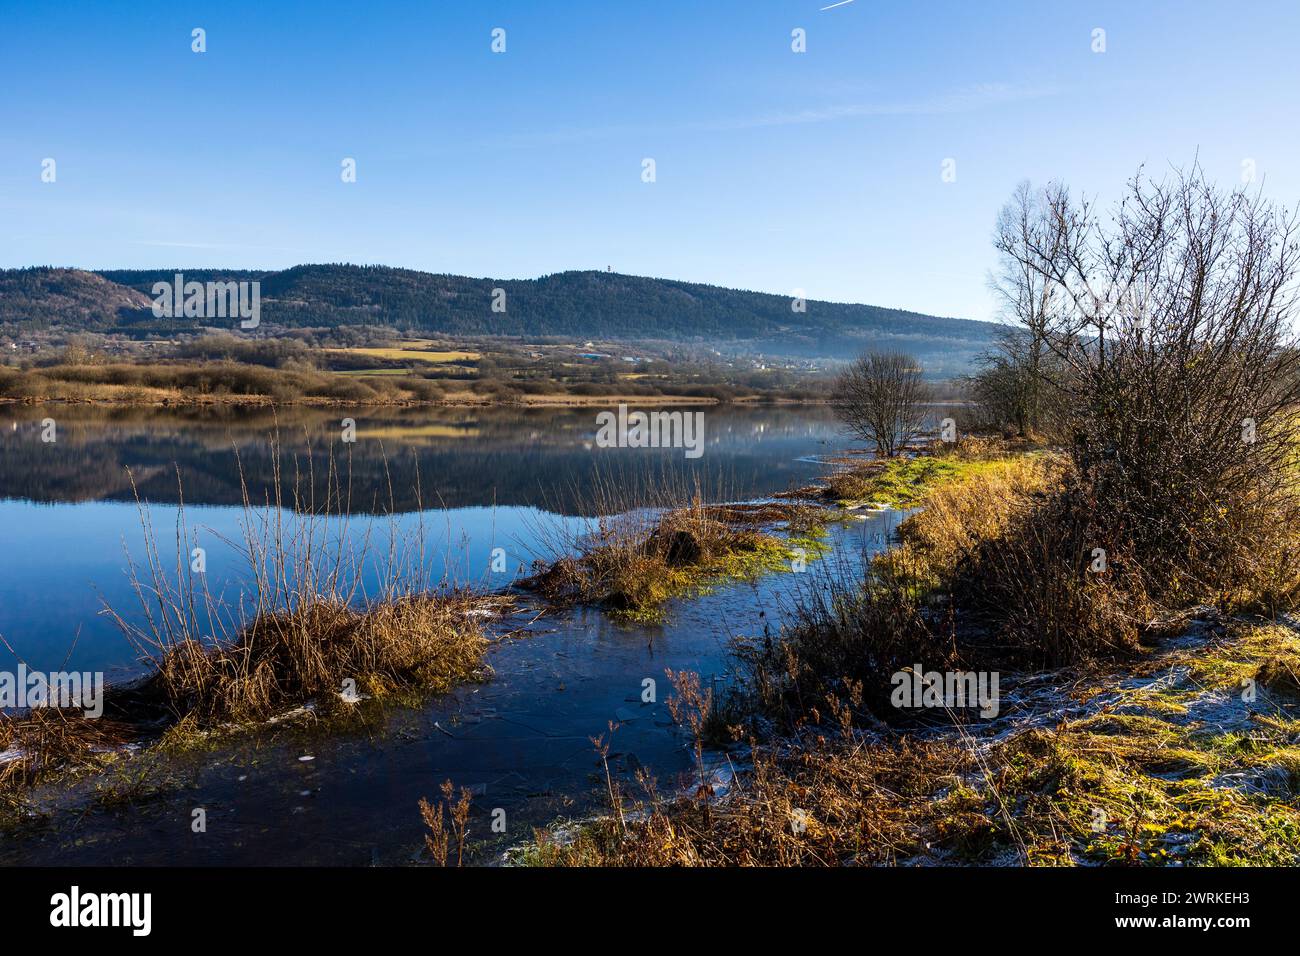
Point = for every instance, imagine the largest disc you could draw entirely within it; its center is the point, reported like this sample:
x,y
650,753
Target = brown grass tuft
x,y
307,630
633,562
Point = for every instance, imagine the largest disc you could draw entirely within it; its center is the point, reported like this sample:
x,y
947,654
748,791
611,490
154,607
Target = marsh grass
x,y
45,742
1171,759
208,383
328,614
996,571
906,481
447,821
661,540
327,609
845,636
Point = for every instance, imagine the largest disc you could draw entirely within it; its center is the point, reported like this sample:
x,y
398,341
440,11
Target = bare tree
x,y
1013,380
1171,322
881,398
1018,385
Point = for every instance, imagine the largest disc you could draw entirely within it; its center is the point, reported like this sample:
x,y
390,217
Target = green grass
x,y
758,557
902,482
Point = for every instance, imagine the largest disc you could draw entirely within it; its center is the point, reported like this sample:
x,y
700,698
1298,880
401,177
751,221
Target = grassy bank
x,y
315,370
904,482
223,384
1169,766
1132,729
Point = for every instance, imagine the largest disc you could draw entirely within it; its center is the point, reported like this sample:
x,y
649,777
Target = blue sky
x,y
775,171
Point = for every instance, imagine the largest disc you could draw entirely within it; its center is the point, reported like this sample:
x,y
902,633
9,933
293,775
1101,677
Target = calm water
x,y
486,479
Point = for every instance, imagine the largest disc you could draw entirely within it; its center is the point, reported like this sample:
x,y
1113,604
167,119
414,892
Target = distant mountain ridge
x,y
573,305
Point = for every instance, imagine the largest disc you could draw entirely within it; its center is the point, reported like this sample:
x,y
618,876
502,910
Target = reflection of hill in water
x,y
463,457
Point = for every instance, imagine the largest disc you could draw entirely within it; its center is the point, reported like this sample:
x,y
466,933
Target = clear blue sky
x,y
775,170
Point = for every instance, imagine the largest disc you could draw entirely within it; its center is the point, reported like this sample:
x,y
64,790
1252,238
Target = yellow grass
x,y
411,354
957,515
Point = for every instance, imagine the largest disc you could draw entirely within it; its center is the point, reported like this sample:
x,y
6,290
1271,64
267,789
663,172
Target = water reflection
x,y
462,456
487,479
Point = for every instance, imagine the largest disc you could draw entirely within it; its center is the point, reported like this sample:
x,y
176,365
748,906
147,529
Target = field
x,y
385,368
415,351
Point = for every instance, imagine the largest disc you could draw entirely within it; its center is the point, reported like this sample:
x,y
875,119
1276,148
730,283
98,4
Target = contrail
x,y
834,5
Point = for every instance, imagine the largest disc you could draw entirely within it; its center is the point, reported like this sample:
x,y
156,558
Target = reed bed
x,y
1121,750
332,609
327,609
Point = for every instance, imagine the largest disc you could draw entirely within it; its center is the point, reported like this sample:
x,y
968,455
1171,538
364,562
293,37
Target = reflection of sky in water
x,y
60,562
521,741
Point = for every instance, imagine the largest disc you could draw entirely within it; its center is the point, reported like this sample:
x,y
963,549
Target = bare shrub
x,y
1172,327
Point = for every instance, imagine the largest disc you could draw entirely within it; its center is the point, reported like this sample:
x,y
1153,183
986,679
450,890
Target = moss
x,y
1139,787
903,482
747,561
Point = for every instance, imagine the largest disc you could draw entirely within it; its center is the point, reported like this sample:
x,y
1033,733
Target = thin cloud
x,y
984,96
177,245
967,100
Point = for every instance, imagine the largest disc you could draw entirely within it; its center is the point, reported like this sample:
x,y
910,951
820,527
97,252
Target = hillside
x,y
66,298
571,305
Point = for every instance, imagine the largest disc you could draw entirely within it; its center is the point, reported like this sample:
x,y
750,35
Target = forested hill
x,y
596,305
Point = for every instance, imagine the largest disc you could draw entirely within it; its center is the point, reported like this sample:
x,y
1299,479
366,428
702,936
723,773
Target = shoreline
x,y
529,401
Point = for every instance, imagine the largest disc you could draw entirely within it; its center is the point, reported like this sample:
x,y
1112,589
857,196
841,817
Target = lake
x,y
474,480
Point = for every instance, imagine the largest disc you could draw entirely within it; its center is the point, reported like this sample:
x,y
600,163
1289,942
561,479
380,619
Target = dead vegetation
x,y
633,560
46,741
1175,767
327,613
1186,755
1012,562
322,649
910,606
448,824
